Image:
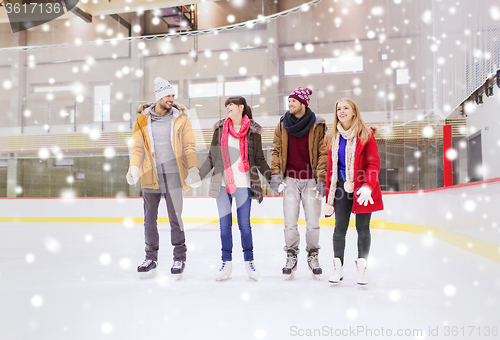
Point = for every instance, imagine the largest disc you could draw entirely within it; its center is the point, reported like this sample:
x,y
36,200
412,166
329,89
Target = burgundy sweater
x,y
298,162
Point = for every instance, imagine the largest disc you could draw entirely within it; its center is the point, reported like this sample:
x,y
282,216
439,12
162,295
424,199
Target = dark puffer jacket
x,y
256,161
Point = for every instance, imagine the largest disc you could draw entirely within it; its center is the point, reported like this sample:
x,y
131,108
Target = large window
x,y
102,103
228,88
402,76
303,67
343,64
242,88
306,67
176,89
52,88
205,90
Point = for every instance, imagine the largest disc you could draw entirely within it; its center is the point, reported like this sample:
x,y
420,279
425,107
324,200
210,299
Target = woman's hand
x,y
365,196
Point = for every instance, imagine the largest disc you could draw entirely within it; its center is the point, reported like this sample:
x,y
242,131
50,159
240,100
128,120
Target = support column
x,y
137,83
448,163
136,63
272,71
18,77
12,175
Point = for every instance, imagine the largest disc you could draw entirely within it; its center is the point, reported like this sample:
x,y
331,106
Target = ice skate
x,y
177,269
338,271
361,266
313,263
291,264
147,269
252,272
225,271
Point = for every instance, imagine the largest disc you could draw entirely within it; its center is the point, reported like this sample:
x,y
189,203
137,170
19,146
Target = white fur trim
x,y
349,187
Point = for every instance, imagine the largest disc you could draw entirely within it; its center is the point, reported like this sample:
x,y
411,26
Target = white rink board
x,y
472,211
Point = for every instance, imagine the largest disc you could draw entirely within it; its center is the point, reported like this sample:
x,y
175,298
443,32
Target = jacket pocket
x,y
148,176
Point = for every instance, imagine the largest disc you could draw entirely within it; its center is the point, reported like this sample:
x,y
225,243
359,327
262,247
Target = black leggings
x,y
343,207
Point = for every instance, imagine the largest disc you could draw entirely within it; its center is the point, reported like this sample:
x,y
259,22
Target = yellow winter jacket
x,y
183,143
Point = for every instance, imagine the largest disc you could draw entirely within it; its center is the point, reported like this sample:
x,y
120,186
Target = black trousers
x,y
343,206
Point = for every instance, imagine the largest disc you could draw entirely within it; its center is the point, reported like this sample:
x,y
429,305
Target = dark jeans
x,y
343,207
172,188
243,197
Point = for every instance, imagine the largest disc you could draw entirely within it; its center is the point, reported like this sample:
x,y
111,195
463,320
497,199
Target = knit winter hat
x,y
302,94
163,88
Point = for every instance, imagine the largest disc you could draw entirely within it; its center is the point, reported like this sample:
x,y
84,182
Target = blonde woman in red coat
x,y
352,183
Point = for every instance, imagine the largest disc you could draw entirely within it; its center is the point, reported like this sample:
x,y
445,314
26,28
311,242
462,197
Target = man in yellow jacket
x,y
164,156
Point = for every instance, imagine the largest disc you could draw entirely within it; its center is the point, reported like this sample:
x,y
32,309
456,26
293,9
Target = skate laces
x,y
251,266
290,261
313,261
146,263
177,264
223,266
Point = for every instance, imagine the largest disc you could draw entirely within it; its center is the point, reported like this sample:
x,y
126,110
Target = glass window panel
x,y
102,103
402,76
62,88
303,67
205,90
285,103
242,88
343,64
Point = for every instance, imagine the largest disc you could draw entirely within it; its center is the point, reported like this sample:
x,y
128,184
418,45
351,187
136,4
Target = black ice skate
x,y
291,264
312,261
178,267
147,269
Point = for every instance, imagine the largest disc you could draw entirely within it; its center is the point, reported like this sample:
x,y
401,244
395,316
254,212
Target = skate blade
x,y
362,284
177,277
335,282
317,277
290,276
227,277
147,275
254,278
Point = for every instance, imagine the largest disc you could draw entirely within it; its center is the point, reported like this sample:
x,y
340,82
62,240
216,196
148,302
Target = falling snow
x,y
52,245
470,206
37,301
450,290
376,34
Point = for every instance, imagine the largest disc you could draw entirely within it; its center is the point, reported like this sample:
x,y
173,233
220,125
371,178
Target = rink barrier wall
x,y
467,215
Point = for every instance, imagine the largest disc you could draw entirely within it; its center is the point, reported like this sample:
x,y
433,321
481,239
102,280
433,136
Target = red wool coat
x,y
366,170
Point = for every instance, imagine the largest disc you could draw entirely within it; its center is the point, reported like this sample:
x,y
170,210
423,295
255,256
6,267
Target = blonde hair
x,y
359,126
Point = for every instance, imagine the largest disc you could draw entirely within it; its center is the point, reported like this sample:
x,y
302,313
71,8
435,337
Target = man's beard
x,y
164,107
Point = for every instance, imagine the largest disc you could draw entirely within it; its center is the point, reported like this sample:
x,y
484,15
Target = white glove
x,y
132,175
193,178
365,196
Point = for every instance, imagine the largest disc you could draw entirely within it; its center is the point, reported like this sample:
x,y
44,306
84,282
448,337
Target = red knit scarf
x,y
243,137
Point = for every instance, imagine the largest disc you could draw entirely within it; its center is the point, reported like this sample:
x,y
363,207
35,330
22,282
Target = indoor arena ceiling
x,y
107,7
89,8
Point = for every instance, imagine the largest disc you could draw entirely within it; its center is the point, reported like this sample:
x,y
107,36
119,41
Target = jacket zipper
x,y
314,142
281,148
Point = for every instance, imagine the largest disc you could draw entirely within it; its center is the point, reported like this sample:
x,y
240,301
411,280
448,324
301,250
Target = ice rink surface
x,y
78,281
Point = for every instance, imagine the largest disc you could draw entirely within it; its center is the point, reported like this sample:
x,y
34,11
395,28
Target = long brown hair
x,y
358,124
